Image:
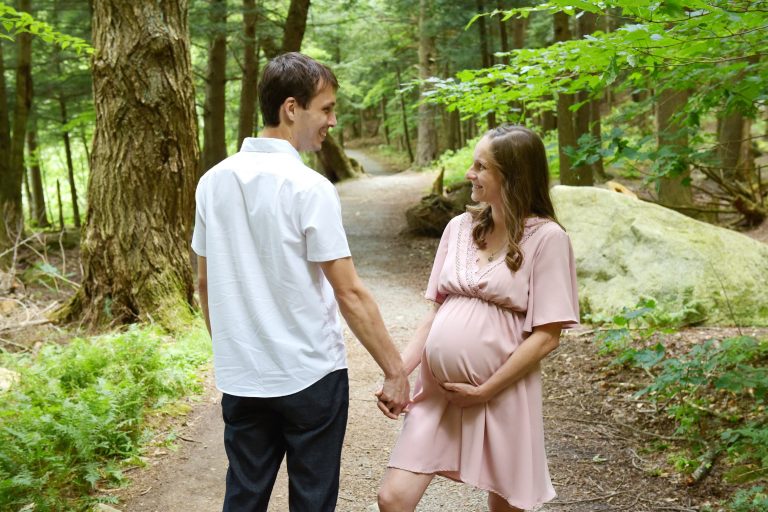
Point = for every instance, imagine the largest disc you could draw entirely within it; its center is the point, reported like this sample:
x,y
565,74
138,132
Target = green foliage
x,y
78,411
750,500
15,22
715,392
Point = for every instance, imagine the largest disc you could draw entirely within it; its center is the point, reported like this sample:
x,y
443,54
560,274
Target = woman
x,y
504,285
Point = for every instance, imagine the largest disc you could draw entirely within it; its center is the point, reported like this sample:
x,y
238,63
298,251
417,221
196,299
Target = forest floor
x,y
597,433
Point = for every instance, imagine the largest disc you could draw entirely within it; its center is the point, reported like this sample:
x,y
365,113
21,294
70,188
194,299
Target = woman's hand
x,y
464,395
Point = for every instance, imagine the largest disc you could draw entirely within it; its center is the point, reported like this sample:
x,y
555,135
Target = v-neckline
x,y
479,272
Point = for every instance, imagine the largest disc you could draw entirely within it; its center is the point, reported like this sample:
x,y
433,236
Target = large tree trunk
x,y
673,192
566,123
503,36
245,126
11,184
295,25
135,252
214,135
40,215
384,120
426,143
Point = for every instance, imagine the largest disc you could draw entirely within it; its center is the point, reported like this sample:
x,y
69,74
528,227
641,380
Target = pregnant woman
x,y
504,285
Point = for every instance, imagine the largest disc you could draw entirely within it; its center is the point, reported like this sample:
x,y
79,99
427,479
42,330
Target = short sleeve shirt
x,y
264,221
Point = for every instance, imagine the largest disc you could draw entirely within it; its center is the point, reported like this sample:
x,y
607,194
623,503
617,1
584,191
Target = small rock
x,y
103,507
7,379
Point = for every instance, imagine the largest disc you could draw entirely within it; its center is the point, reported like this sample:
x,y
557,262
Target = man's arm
x,y
202,287
362,315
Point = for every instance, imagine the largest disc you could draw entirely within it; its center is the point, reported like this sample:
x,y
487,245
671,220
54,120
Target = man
x,y
274,270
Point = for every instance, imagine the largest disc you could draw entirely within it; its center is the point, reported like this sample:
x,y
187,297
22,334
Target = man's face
x,y
312,124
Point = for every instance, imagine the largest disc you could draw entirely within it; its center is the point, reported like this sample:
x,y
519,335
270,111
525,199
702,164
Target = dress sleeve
x,y
553,292
434,279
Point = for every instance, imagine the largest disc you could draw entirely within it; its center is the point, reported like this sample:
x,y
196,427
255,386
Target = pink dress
x,y
486,313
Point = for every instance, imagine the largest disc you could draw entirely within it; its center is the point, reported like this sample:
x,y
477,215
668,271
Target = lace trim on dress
x,y
477,274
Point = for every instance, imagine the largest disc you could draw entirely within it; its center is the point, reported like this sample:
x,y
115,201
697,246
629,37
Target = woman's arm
x,y
543,340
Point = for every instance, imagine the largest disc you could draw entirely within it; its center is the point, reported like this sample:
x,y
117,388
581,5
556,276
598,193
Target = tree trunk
x,y
404,113
36,180
672,190
70,166
384,120
426,140
729,136
588,120
214,135
485,55
5,151
566,123
245,127
295,25
334,163
503,36
135,253
10,189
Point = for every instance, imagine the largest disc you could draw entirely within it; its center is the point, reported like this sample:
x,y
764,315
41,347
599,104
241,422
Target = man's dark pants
x,y
308,427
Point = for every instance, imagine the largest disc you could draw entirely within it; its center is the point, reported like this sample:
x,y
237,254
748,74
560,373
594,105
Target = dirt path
x,y
592,459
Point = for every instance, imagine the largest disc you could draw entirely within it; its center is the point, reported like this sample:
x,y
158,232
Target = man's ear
x,y
289,108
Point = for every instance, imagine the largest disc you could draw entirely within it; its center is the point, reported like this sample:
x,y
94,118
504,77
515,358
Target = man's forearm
x,y
364,319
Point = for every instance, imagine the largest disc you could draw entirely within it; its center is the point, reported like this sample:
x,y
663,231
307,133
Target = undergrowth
x,y
77,412
715,393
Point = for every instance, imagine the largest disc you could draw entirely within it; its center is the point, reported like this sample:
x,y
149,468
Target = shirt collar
x,y
266,145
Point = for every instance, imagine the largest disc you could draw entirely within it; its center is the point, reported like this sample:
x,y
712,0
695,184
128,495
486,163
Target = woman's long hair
x,y
521,158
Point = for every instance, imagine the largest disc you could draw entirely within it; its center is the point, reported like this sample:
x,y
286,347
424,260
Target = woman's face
x,y
485,175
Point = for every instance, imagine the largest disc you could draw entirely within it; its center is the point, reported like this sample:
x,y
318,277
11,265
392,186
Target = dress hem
x,y
482,487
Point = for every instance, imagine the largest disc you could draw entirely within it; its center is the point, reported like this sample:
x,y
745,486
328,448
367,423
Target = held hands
x,y
464,395
394,396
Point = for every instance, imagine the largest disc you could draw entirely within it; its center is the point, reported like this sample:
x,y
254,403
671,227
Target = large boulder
x,y
628,250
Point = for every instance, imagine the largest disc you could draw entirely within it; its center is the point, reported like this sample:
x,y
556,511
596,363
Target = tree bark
x,y
70,166
135,252
36,180
588,120
566,122
730,135
384,120
214,109
673,192
404,112
503,35
245,127
295,25
333,162
426,140
5,151
11,184
485,55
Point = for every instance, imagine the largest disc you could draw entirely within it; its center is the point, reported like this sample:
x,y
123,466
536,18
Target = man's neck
x,y
278,132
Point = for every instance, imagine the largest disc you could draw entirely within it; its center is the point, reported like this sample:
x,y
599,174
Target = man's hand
x,y
464,395
394,396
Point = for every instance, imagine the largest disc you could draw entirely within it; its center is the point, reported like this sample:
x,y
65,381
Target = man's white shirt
x,y
263,222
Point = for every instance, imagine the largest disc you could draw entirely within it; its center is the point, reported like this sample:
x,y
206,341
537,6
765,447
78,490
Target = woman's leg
x,y
401,490
498,504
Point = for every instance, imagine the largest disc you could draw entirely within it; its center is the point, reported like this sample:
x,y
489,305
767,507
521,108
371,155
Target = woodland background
x,y
111,110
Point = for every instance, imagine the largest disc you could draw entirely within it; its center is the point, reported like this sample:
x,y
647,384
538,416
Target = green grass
x,y
78,411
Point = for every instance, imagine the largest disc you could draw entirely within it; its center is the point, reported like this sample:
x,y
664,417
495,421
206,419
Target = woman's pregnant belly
x,y
470,339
